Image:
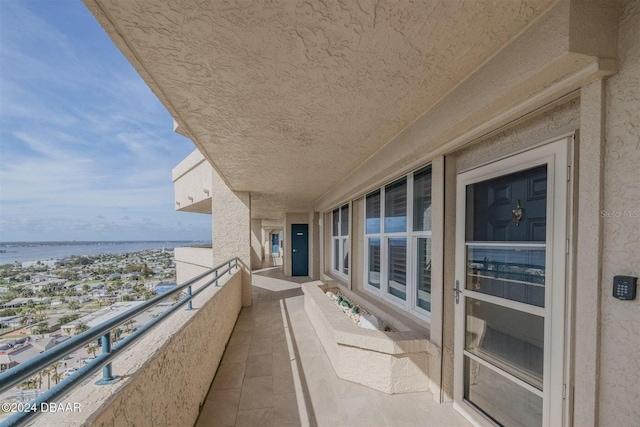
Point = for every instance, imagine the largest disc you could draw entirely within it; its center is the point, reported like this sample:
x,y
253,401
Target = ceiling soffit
x,y
287,98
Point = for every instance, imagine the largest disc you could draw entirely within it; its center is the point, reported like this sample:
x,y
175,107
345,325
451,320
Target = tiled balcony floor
x,y
275,373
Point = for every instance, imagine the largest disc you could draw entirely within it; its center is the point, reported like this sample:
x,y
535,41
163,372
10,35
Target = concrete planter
x,y
392,362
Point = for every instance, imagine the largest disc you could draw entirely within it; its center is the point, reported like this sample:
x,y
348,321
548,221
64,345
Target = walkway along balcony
x,y
269,365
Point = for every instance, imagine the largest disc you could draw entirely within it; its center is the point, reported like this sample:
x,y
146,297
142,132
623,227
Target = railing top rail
x,y
18,373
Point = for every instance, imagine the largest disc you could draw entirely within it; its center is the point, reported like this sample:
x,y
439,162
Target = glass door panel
x,y
504,401
516,273
511,340
505,252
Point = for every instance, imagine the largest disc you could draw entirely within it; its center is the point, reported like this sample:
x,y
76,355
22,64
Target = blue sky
x,y
86,149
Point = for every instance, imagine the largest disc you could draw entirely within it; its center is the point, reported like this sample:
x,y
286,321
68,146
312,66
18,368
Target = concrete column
x,y
231,216
257,252
449,277
589,254
438,286
314,245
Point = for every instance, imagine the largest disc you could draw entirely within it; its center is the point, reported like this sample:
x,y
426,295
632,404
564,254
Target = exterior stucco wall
x,y
257,251
314,245
619,392
231,217
192,180
201,258
326,246
557,121
165,376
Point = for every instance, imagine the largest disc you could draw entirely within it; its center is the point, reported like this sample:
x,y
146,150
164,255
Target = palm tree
x,y
39,379
80,328
56,377
115,335
24,318
47,372
92,349
28,384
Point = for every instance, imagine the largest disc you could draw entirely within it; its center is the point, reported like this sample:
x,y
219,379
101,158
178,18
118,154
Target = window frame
x,y
343,241
410,304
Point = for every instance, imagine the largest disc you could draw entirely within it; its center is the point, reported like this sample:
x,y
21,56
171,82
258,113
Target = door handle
x,y
295,250
456,290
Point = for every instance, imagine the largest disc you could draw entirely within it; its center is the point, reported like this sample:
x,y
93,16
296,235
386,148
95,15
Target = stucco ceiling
x,y
286,98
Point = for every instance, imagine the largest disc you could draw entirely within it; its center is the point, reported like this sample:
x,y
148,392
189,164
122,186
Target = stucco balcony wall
x,y
193,181
164,377
195,255
392,362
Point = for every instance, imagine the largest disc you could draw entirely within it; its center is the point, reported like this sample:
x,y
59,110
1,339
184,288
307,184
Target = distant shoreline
x,y
11,252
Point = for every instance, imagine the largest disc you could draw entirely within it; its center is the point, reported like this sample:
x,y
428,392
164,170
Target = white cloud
x,y
87,150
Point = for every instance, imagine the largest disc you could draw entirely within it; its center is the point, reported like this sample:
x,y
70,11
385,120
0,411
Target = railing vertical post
x,y
190,304
236,262
229,267
216,277
107,375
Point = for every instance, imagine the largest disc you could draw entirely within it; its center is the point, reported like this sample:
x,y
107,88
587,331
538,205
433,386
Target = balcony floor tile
x,y
275,373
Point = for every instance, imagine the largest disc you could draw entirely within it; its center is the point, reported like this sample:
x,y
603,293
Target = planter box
x,y
392,362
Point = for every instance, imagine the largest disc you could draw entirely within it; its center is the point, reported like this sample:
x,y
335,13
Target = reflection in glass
x,y
423,273
508,403
345,256
373,273
490,204
373,212
344,220
395,207
336,222
516,273
509,339
422,200
336,254
397,262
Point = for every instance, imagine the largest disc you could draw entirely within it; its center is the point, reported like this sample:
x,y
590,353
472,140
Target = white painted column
x,y
589,254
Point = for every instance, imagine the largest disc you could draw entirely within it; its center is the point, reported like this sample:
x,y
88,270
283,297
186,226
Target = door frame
x,y
557,156
293,249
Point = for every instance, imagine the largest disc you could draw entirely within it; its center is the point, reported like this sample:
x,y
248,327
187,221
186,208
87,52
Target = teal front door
x,y
299,249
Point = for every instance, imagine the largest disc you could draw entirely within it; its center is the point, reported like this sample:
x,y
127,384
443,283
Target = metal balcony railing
x,y
19,373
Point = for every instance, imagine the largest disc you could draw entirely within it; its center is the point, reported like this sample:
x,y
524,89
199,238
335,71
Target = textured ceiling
x,y
288,97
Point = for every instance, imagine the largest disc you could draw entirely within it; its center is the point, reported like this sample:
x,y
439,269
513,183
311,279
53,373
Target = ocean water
x,y
40,251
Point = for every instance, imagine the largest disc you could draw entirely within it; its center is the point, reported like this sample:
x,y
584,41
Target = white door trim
x,y
556,156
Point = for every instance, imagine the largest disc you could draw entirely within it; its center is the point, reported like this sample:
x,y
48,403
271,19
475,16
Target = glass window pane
x,y
398,268
336,254
515,273
344,220
422,200
490,207
373,274
509,339
345,256
423,274
373,212
336,222
395,207
508,403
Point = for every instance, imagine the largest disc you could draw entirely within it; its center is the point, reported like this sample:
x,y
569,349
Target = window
x,y
340,238
398,242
